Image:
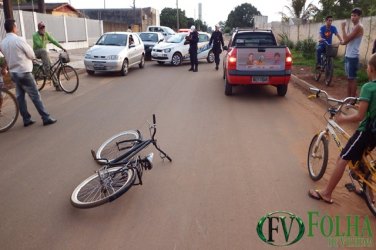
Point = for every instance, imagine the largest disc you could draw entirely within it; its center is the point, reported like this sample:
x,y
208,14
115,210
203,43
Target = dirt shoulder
x,y
337,88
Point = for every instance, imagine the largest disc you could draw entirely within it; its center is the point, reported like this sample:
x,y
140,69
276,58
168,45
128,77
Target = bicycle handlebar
x,y
348,100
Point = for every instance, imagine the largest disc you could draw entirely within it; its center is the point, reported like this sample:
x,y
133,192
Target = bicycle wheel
x,y
317,158
118,145
95,191
370,193
8,110
329,71
317,73
40,77
68,79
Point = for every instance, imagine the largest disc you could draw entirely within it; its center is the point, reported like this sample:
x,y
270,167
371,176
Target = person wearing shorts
x,y
353,39
360,140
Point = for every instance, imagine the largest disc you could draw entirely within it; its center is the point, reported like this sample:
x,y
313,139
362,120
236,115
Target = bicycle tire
x,y
317,74
109,149
40,77
93,192
369,193
68,79
9,110
321,153
329,71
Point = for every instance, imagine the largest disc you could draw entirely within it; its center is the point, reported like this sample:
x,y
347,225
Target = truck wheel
x,y
228,88
282,90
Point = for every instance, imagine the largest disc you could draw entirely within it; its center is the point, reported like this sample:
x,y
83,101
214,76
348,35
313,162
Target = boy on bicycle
x,y
325,37
360,141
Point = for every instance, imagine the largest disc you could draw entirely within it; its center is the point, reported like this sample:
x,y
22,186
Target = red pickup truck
x,y
254,58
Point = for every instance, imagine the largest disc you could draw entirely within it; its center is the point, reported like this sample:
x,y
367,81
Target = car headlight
x,y
113,57
87,56
167,50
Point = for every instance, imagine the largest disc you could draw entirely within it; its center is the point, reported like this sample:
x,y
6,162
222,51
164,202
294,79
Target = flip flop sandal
x,y
318,196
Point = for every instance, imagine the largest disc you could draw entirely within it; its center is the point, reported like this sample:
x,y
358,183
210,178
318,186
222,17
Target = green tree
x,y
242,16
339,9
300,11
168,18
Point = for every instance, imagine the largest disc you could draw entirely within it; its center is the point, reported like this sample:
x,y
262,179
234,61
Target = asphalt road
x,y
235,159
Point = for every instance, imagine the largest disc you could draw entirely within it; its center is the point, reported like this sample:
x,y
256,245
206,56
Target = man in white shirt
x,y
18,55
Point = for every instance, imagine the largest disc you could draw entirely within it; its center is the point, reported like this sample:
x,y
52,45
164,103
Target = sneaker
x,y
49,121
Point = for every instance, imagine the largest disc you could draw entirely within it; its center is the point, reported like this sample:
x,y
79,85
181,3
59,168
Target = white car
x,y
174,50
115,51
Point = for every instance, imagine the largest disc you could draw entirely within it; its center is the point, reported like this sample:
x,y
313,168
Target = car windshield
x,y
149,37
169,31
113,40
177,38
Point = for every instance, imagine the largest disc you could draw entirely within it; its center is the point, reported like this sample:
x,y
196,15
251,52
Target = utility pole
x,y
177,15
8,9
41,6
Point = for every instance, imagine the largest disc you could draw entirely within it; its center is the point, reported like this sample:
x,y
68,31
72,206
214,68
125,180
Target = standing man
x,y
326,36
353,40
18,55
193,41
40,40
217,40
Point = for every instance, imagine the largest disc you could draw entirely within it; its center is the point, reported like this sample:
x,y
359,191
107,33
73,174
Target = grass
x,y
339,70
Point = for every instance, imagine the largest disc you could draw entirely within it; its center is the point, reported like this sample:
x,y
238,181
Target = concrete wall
x,y
304,31
84,33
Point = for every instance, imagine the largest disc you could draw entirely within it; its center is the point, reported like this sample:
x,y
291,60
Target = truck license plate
x,y
260,79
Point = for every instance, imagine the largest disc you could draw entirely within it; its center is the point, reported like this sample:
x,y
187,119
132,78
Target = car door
x,y
132,52
140,48
203,46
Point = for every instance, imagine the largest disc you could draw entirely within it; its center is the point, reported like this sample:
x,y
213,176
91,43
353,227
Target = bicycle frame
x,y
126,159
333,129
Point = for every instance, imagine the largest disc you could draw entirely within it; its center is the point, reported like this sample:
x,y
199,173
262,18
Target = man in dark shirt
x,y
193,41
217,40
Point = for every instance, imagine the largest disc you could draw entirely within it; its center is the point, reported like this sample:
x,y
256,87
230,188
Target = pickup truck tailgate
x,y
261,59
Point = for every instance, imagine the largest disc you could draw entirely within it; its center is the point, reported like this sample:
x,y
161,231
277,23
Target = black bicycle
x,y
326,63
121,164
60,73
9,110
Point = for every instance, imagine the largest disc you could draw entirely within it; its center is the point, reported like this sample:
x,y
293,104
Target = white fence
x,y
71,32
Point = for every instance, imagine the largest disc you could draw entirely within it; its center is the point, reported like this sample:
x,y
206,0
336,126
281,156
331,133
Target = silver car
x,y
115,51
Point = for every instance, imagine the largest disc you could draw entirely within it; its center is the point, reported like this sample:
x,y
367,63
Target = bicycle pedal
x,y
354,175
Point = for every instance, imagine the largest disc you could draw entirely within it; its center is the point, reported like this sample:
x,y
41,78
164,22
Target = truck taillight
x,y
288,62
232,59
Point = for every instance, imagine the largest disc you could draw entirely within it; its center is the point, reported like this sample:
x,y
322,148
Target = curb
x,y
301,83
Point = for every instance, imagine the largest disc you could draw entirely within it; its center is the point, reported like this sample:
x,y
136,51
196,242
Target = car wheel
x,y
176,59
124,68
90,72
142,62
160,62
210,57
228,88
282,90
